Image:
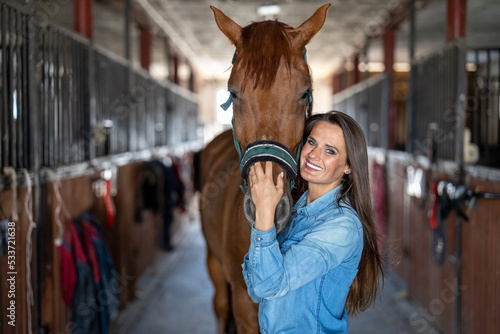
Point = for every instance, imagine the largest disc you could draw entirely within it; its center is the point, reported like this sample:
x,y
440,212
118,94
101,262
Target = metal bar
x,y
86,98
8,93
487,105
48,99
75,101
447,101
461,90
476,134
76,106
17,68
65,111
68,62
3,108
57,99
127,30
12,89
43,99
26,148
498,102
410,102
460,94
90,111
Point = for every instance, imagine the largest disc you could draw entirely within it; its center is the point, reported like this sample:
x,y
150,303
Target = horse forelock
x,y
264,44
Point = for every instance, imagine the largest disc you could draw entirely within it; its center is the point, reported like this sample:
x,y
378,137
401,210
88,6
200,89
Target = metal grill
x,y
65,101
367,103
111,85
64,98
437,114
483,108
15,148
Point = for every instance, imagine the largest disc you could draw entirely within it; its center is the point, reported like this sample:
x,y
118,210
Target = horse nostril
x,y
281,215
249,209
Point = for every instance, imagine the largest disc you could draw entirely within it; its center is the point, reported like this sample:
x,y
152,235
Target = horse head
x,y
270,87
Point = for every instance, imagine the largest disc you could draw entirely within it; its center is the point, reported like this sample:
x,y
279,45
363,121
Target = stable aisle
x,y
175,293
175,297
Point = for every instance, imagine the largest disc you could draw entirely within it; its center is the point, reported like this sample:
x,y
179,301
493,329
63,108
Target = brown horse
x,y
270,87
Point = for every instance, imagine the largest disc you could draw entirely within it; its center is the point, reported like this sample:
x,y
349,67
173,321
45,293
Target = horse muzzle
x,y
267,150
281,215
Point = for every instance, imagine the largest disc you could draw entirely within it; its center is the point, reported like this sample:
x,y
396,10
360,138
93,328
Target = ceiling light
x,y
269,10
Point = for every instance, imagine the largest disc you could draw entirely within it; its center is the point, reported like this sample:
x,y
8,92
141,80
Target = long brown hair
x,y
355,191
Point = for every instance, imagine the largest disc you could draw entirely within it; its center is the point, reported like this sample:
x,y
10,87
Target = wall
x,y
133,245
410,242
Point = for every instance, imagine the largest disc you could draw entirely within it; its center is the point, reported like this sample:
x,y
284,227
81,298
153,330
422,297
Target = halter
x,y
267,150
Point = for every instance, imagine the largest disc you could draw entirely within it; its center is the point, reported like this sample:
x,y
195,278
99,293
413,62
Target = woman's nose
x,y
314,154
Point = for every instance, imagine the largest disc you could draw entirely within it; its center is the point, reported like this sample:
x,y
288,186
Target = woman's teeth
x,y
313,166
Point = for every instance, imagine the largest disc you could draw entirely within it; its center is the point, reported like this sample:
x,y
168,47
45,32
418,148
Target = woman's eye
x,y
331,152
311,142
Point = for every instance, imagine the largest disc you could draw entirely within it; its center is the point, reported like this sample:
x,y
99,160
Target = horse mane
x,y
263,45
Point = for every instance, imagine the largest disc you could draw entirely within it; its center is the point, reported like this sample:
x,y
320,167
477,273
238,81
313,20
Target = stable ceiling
x,y
191,27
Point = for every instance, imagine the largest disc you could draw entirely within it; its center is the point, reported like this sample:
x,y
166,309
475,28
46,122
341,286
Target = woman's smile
x,y
312,166
323,158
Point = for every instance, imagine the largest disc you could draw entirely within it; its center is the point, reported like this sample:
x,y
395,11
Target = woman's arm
x,y
265,194
274,274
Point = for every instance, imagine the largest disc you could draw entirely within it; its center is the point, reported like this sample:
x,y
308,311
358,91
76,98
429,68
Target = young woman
x,y
325,264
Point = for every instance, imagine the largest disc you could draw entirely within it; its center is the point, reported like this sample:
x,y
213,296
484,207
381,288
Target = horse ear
x,y
308,29
230,28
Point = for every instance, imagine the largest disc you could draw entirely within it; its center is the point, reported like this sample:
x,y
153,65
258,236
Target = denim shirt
x,y
302,277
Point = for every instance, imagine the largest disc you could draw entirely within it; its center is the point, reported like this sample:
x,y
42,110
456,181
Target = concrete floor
x,y
174,296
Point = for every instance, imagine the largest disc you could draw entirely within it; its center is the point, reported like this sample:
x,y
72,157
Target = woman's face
x,y
323,160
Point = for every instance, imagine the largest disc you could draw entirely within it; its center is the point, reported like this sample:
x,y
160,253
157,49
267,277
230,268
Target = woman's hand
x,y
265,194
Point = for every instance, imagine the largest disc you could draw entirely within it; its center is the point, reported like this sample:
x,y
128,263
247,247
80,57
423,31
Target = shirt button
x,y
258,239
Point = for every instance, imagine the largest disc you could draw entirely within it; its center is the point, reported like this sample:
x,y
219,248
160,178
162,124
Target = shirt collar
x,y
319,205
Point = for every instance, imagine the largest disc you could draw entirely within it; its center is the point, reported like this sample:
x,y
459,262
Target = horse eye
x,y
305,94
233,95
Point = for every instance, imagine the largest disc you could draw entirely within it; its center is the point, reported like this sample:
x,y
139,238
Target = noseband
x,y
267,150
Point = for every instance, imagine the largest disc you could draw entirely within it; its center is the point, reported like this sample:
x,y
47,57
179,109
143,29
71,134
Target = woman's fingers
x,y
258,171
257,174
269,168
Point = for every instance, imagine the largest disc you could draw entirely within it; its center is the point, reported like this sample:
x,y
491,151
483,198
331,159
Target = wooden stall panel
x,y
430,283
70,199
395,216
121,237
411,239
15,307
481,263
